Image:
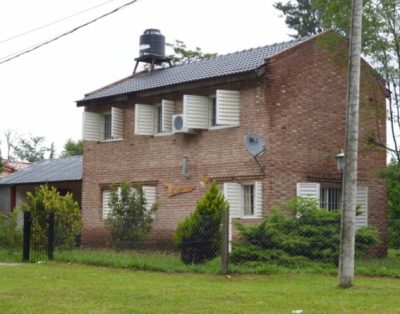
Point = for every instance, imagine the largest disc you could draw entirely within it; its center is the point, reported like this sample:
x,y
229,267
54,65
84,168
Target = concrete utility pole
x,y
349,193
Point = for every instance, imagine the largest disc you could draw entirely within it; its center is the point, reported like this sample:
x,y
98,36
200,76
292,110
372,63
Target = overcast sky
x,y
38,90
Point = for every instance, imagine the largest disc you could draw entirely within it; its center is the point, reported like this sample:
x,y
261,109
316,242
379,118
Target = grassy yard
x,y
71,288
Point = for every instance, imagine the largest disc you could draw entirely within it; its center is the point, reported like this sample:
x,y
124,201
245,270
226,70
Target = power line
x,y
54,22
21,53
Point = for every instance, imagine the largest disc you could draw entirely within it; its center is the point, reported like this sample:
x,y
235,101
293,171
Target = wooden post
x,y
27,236
50,243
225,241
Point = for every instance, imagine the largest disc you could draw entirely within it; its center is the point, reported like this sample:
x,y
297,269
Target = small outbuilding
x,y
65,174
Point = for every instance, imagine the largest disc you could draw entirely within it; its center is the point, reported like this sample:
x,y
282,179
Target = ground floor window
x,y
330,197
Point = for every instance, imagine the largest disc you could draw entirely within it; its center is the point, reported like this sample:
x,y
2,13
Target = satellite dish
x,y
254,144
256,147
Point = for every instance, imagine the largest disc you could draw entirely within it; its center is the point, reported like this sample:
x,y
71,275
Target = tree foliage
x,y
130,219
31,149
381,47
72,148
184,55
68,218
300,16
392,174
296,233
199,235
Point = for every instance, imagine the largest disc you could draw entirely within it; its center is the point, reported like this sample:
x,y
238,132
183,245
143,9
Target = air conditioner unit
x,y
179,124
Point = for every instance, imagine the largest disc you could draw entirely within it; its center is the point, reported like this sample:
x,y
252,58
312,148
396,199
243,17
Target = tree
x,y
349,191
183,55
68,225
1,163
392,175
72,148
130,219
31,149
199,235
52,151
300,16
11,138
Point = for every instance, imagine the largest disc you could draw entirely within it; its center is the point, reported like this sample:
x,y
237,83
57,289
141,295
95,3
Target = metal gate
x,y
38,237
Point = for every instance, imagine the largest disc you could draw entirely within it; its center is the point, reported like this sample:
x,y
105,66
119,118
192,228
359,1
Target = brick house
x,y
291,94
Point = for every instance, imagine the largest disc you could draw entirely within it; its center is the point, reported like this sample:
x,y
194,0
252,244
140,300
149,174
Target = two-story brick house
x,y
292,94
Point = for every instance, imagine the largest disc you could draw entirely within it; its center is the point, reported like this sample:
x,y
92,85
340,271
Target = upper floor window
x,y
221,110
103,126
107,126
154,119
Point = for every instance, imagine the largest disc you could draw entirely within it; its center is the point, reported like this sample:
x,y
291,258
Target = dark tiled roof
x,y
48,170
219,66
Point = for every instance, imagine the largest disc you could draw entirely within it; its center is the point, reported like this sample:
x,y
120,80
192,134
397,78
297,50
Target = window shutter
x,y
362,205
309,190
258,199
106,206
232,193
196,111
144,119
168,110
149,193
92,128
117,122
228,107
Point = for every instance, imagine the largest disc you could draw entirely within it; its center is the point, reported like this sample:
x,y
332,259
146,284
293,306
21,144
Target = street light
x,y
340,162
340,167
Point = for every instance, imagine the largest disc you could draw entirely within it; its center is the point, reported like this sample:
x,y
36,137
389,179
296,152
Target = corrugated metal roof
x,y
219,66
47,170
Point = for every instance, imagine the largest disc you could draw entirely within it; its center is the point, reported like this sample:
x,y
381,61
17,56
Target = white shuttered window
x,y
103,126
362,207
310,189
245,200
117,123
196,110
154,119
228,108
92,128
167,111
149,193
144,119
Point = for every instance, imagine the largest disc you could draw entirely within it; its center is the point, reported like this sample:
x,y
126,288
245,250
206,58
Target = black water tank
x,y
152,43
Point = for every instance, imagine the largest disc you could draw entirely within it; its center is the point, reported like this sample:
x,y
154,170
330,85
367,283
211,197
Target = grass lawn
x,y
71,288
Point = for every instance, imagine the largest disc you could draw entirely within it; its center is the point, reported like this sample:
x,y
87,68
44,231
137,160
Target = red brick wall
x,y
297,106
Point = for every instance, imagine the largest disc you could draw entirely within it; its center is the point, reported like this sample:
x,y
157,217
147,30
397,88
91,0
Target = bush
x,y
10,233
297,230
199,235
129,220
68,220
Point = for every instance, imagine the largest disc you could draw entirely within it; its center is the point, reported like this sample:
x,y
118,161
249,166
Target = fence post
x,y
225,241
27,236
50,244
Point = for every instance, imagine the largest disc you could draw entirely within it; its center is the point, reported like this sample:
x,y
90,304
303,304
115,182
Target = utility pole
x,y
349,193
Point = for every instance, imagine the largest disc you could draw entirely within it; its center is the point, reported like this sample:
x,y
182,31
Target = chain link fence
x,y
280,240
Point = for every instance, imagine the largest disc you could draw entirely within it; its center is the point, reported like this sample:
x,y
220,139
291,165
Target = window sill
x,y
221,127
111,140
162,134
247,218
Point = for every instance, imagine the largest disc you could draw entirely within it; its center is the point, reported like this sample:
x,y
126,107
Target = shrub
x,y
68,220
10,233
297,229
199,235
130,220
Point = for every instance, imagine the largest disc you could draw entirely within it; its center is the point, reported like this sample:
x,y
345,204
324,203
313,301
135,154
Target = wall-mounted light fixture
x,y
184,171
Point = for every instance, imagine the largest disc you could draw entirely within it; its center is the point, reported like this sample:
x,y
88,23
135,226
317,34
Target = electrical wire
x,y
28,50
52,23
